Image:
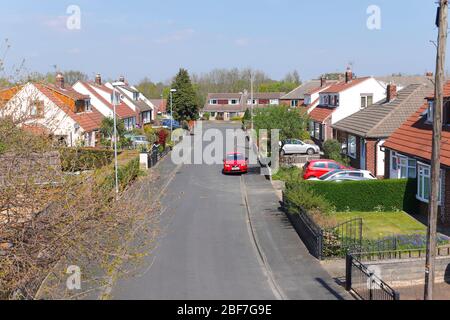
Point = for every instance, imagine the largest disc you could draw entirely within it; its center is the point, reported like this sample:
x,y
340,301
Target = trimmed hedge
x,y
367,196
82,159
129,170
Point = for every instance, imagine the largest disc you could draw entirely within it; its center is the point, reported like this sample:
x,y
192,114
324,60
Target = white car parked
x,y
295,146
346,175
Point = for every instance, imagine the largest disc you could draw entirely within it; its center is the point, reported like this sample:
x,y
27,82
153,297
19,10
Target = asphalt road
x,y
206,251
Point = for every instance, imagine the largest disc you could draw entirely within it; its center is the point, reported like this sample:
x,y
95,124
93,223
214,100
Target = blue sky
x,y
154,39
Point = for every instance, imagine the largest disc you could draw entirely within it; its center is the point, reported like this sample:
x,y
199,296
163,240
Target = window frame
x,y
421,183
349,150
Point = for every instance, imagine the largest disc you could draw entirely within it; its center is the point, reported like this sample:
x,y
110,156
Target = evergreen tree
x,y
185,100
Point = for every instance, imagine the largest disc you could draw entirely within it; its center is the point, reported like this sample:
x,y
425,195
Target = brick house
x,y
363,133
341,100
225,106
408,153
296,97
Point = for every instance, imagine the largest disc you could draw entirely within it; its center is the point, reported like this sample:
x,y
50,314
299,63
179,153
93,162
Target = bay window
x,y
351,148
404,167
424,183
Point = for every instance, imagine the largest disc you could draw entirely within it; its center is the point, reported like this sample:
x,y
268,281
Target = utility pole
x,y
442,23
116,165
251,97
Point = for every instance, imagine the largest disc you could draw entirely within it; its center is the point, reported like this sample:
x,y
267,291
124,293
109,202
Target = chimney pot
x,y
391,93
348,75
60,80
98,79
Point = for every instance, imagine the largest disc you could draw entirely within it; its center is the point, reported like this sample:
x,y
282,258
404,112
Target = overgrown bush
x,y
332,149
82,159
299,195
367,196
288,174
206,116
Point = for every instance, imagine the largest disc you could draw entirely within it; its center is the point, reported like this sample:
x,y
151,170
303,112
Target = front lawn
x,y
377,225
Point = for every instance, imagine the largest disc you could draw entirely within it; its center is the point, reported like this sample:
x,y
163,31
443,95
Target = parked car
x,y
235,163
295,146
166,123
317,168
347,175
137,141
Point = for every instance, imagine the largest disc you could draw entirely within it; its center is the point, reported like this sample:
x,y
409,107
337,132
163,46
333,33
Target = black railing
x,y
365,283
325,243
155,156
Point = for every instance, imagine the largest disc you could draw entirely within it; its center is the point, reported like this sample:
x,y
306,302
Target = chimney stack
x,y
323,81
348,75
391,93
98,79
60,80
122,79
429,74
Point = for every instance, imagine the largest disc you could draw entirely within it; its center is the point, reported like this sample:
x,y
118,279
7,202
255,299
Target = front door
x,y
362,165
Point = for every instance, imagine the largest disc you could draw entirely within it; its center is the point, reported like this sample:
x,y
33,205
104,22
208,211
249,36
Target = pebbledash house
x,y
408,154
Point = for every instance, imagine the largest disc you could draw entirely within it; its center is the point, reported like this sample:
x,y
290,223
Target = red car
x,y
317,168
235,163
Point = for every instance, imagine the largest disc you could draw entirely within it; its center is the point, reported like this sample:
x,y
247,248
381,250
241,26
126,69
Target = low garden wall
x,y
297,160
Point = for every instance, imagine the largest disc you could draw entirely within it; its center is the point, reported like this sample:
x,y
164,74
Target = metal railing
x,y
442,251
365,283
155,156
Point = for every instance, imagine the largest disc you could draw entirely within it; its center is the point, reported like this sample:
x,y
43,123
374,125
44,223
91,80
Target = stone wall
x,y
297,160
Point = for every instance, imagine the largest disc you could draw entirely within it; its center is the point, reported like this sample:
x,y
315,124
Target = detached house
x,y
408,151
296,97
55,110
363,133
102,97
341,100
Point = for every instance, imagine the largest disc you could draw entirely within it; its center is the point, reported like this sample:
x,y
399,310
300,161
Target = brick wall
x,y
371,156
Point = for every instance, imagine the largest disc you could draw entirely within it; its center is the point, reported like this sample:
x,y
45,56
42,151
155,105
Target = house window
x,y
233,101
274,102
318,131
311,128
430,111
337,100
424,183
294,103
406,167
146,117
130,123
351,148
213,101
37,109
135,96
87,105
366,101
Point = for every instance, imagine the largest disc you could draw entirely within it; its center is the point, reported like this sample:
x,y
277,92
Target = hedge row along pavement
x,y
367,196
82,159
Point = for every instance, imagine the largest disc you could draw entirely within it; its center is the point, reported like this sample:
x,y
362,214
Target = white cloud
x,y
177,36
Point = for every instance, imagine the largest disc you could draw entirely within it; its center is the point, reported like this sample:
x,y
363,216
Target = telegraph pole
x,y
442,23
251,97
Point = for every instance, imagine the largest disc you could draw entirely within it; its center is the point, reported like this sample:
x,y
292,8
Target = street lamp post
x,y
172,91
116,166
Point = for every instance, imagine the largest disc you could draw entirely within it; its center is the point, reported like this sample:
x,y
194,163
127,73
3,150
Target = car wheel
x,y
310,152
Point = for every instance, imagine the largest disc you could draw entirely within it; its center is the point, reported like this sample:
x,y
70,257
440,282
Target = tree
x,y
332,149
107,129
185,100
292,123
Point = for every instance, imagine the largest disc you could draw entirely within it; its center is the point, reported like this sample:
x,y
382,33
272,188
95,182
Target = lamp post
x,y
172,91
116,165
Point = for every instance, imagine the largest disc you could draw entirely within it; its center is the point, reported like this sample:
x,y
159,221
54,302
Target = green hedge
x,y
366,196
81,159
129,170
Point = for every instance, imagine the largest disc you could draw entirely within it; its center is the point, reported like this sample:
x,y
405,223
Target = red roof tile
x,y
320,113
341,86
88,121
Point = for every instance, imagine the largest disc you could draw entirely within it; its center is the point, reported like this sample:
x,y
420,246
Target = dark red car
x,y
235,163
317,168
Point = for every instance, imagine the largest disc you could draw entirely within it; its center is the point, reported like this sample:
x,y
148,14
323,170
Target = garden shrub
x,y
367,196
82,159
298,195
128,171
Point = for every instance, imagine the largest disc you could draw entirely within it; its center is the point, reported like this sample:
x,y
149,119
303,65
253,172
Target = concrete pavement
x,y
207,249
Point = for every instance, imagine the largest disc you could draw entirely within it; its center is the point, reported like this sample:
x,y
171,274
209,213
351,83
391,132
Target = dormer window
x,y
430,110
87,105
366,100
136,96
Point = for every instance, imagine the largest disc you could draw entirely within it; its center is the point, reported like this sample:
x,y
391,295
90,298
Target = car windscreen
x,y
329,174
235,157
